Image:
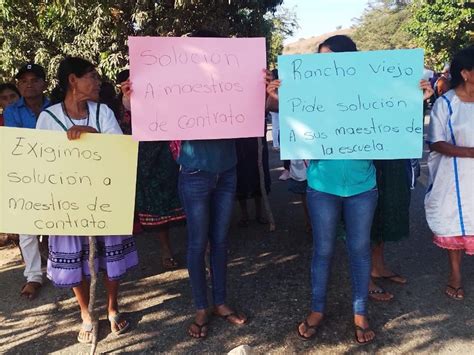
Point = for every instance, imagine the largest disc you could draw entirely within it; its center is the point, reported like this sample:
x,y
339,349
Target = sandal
x,y
395,278
30,290
364,331
379,291
455,295
202,330
86,333
117,320
308,327
169,263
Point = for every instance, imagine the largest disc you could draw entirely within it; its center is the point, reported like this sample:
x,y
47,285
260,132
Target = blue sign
x,y
351,105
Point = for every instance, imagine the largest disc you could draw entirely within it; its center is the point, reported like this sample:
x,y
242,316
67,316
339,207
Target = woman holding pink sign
x,y
207,186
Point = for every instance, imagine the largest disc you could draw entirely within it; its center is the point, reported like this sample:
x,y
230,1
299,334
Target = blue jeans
x,y
208,200
325,213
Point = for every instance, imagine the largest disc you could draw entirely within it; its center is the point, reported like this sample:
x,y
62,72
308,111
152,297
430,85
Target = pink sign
x,y
197,88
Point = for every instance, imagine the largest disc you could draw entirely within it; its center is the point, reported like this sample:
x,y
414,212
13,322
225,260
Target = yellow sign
x,y
52,186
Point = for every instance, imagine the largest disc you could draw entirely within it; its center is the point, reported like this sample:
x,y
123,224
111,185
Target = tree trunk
x,y
92,293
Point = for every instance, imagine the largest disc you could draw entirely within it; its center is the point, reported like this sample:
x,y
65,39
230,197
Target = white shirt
x,y
298,169
107,121
449,202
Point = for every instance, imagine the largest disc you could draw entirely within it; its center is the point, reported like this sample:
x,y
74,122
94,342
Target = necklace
x,y
69,118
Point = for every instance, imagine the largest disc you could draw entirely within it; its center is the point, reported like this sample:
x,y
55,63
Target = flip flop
x,y
455,296
379,291
200,327
308,327
364,331
86,328
116,319
391,278
169,263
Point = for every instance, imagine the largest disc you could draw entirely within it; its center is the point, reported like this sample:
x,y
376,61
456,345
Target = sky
x,y
316,17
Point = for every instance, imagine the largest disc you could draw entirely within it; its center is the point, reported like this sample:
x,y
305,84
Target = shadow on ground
x,y
269,279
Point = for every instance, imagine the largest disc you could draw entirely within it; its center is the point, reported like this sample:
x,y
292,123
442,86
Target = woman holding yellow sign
x,y
79,113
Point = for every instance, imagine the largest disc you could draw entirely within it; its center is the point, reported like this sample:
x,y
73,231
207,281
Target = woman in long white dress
x,y
449,202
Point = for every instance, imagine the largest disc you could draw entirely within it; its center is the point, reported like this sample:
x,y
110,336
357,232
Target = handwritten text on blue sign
x,y
352,105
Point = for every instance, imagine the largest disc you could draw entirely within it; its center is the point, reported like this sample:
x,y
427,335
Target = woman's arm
x,y
126,88
427,89
451,150
272,98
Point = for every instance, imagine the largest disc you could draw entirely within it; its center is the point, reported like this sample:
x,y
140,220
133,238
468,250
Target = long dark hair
x,y
462,60
339,43
9,86
70,65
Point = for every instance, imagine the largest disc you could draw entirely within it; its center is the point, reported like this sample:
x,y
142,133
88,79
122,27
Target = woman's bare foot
x,y
233,317
363,333
199,328
388,275
377,293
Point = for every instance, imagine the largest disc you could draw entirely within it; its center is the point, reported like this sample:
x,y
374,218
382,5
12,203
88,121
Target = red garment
x,y
2,122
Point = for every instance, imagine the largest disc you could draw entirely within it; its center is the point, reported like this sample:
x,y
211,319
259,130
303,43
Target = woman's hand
x,y
272,89
75,131
427,89
126,88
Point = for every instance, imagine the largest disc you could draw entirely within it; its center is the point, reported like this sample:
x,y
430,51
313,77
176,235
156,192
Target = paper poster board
x,y
352,105
197,88
52,186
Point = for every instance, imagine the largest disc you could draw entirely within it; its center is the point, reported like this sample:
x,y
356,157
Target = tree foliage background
x,y
441,27
44,31
382,26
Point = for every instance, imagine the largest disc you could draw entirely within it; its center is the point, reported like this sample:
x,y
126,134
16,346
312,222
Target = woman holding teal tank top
x,y
335,188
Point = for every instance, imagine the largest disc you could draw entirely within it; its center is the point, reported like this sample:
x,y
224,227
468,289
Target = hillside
x,y
309,45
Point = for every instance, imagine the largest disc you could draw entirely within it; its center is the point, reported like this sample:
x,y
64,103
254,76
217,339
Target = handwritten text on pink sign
x,y
197,88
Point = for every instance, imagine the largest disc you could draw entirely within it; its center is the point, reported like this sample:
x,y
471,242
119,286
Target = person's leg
x,y
82,296
358,215
454,287
29,246
275,130
376,292
324,211
195,192
167,260
285,175
379,268
222,203
117,324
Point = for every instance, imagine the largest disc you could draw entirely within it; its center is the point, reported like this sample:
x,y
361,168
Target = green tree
x,y
282,24
441,27
44,31
382,26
